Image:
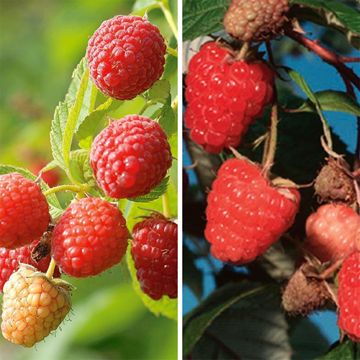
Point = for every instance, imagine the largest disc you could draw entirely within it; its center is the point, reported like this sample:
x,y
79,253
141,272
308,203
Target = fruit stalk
x,y
51,269
165,205
164,6
73,188
272,142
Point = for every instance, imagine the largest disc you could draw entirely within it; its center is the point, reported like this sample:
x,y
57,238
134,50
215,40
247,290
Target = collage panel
x,y
271,158
88,180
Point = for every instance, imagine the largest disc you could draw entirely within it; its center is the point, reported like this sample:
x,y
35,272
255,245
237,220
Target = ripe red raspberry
x,y
224,96
332,232
255,20
51,177
24,212
154,250
33,306
130,157
245,213
90,237
10,259
349,295
126,56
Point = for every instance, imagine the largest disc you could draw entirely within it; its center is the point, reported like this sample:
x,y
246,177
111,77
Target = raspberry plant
x,y
124,94
275,205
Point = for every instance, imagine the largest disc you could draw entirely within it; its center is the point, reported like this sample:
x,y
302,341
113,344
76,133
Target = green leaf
x,y
80,167
335,14
160,91
331,100
55,207
203,17
91,124
69,114
345,351
168,119
301,82
165,306
192,276
154,193
254,311
144,5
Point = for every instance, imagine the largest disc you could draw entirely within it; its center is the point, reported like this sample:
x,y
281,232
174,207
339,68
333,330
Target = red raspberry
x,y
126,56
90,237
245,214
255,20
224,96
349,295
154,250
10,259
51,177
332,232
24,212
130,157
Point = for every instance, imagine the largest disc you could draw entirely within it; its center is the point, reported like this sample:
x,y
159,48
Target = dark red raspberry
x,y
224,96
126,55
256,20
11,258
348,297
130,157
24,212
90,237
154,250
245,213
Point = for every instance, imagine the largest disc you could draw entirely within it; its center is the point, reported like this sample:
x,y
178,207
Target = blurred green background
x,y
41,41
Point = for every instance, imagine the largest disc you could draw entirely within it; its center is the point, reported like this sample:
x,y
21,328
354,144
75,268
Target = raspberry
x,y
126,55
33,306
90,237
245,214
154,250
255,20
130,157
24,212
304,294
332,232
10,259
224,96
349,295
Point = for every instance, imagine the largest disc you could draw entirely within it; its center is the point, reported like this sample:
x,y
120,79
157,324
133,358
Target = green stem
x,y
166,206
73,188
169,18
51,269
172,51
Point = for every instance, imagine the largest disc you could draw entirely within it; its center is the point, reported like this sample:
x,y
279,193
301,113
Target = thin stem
x,y
172,52
174,104
51,269
271,150
73,188
166,205
169,18
325,54
243,51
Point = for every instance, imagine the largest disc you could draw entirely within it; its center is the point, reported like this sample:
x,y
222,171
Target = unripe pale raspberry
x,y
332,232
224,96
126,55
24,212
245,213
10,259
255,20
349,295
90,237
130,157
33,306
154,250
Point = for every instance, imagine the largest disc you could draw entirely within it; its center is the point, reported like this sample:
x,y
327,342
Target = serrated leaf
x,y
160,91
167,119
331,100
345,351
52,199
90,125
203,17
155,193
337,15
80,167
165,306
143,4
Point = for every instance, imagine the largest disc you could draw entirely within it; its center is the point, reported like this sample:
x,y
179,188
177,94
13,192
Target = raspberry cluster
x,y
126,55
224,96
245,213
255,20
